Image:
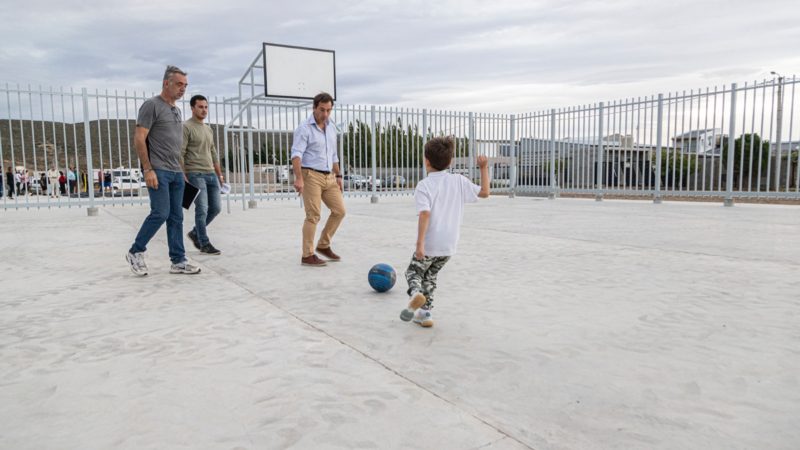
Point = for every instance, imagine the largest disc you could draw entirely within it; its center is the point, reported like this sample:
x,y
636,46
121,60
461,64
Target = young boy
x,y
440,199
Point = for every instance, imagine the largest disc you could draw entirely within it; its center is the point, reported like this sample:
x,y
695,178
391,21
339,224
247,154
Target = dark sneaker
x,y
313,261
193,236
328,253
210,249
184,268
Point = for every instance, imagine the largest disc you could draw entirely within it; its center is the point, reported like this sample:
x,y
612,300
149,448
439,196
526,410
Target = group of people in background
x,y
52,182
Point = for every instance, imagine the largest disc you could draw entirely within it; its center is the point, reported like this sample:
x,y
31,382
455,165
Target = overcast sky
x,y
486,56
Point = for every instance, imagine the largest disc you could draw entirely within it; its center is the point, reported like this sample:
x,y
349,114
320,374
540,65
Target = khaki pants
x,y
320,187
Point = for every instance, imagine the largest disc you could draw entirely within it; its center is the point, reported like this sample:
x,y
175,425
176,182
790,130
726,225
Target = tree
x,y
747,148
677,169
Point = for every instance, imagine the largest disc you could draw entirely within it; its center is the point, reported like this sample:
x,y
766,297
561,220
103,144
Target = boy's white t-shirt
x,y
444,194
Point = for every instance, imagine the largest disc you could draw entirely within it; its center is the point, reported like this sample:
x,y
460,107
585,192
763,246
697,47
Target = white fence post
x,y
512,145
250,163
599,160
471,147
731,149
87,136
374,198
552,194
659,144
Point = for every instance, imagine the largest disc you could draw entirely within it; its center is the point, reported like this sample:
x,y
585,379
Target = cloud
x,y
500,56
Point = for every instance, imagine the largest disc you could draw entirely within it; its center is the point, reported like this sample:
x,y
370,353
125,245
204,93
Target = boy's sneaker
x,y
192,235
210,249
136,261
184,268
416,302
423,317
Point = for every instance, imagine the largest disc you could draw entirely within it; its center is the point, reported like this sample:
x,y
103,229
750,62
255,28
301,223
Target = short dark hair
x,y
197,98
439,151
322,97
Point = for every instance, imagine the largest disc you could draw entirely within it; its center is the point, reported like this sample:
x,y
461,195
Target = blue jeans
x,y
207,205
165,206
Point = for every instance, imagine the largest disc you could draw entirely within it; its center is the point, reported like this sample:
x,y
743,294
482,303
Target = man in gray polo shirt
x,y
158,140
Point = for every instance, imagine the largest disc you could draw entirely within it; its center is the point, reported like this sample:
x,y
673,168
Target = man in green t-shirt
x,y
201,165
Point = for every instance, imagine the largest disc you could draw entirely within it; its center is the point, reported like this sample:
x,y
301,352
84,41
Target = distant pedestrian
x,y
72,179
10,182
23,183
62,183
52,182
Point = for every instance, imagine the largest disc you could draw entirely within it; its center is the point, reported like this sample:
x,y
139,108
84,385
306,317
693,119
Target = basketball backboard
x,y
298,72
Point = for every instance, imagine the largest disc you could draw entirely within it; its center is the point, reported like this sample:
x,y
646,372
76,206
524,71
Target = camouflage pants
x,y
421,276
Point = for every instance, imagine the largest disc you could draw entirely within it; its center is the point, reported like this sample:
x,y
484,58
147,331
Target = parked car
x,y
127,184
377,182
354,181
36,187
397,181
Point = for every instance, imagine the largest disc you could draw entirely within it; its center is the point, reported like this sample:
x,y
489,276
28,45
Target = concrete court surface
x,y
560,324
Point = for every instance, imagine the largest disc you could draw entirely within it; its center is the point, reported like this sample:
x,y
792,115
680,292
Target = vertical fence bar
x,y
731,150
374,198
424,141
778,135
512,166
87,135
552,194
599,160
659,144
471,146
250,163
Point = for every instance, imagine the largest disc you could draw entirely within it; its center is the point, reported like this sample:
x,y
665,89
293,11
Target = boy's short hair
x,y
439,152
197,98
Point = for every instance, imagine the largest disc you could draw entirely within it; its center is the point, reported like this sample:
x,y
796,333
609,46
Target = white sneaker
x,y
136,261
423,317
184,268
416,301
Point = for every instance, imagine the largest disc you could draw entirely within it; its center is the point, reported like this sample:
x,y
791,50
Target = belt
x,y
325,172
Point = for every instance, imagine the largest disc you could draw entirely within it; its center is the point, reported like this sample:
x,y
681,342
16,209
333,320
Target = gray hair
x,y
172,70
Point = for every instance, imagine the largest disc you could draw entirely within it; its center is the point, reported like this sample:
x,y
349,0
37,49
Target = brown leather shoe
x,y
312,260
328,253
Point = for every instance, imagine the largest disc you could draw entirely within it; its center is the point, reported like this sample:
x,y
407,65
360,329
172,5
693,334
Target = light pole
x,y
778,130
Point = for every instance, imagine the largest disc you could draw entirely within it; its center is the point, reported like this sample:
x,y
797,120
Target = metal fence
x,y
668,145
730,142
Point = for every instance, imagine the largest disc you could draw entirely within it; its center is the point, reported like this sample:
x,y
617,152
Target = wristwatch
x,y
338,176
